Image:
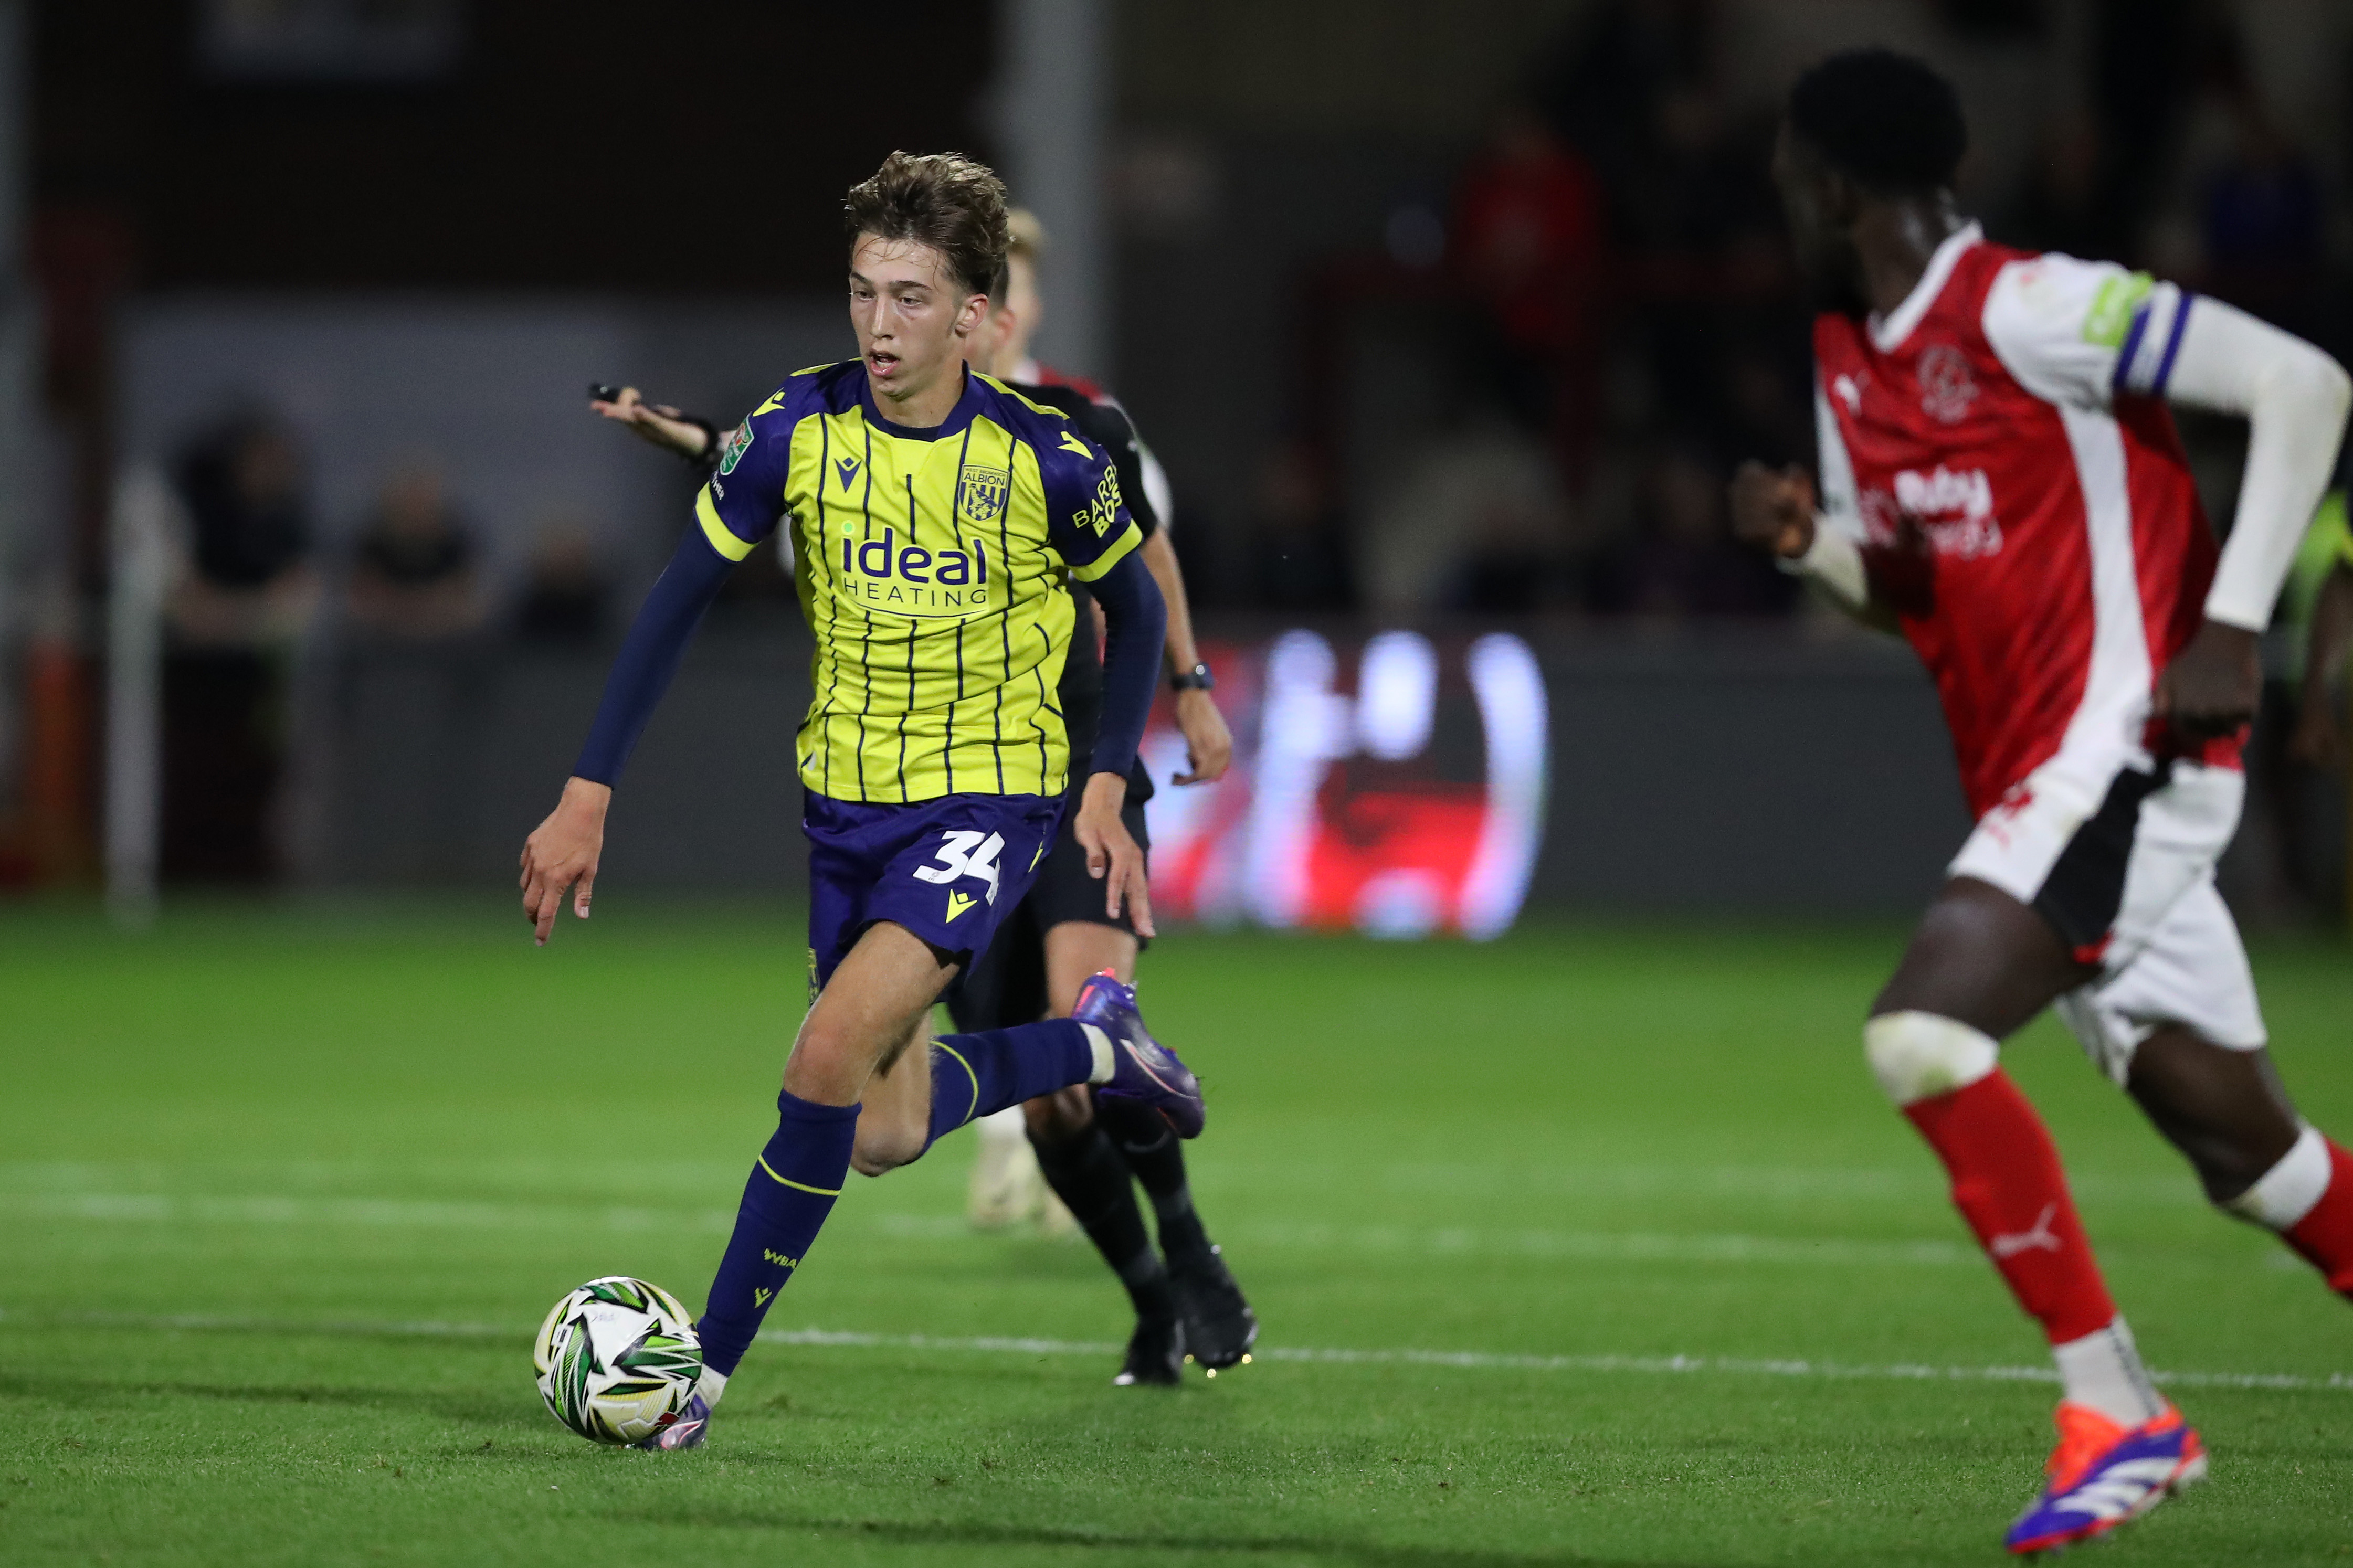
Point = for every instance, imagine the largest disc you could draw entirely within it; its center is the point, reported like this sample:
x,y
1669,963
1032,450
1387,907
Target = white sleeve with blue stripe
x,y
2083,332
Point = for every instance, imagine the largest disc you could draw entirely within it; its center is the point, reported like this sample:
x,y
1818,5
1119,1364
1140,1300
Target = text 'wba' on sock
x,y
1087,1174
2007,1184
1157,1155
977,1074
792,1188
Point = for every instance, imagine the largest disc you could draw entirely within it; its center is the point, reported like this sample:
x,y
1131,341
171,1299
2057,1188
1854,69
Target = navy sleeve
x,y
649,658
1135,621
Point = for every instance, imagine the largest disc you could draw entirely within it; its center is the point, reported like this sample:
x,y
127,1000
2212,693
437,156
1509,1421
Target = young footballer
x,y
936,520
2000,481
1091,1151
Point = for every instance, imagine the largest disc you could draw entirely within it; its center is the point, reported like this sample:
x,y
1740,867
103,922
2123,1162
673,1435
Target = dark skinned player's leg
x,y
1980,966
2228,1112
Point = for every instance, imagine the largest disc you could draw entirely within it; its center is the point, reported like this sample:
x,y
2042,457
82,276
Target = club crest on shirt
x,y
737,445
981,493
1946,388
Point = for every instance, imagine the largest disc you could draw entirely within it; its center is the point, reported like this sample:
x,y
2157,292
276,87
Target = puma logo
x,y
778,1258
957,904
848,469
2038,1235
760,1297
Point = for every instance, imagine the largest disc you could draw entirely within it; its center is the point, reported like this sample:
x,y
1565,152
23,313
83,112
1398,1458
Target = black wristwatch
x,y
1197,678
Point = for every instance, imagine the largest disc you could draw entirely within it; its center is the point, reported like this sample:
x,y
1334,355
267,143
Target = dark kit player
x,y
2001,481
935,519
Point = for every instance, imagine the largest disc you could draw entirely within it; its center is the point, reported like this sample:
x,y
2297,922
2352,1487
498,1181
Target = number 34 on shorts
x,y
964,853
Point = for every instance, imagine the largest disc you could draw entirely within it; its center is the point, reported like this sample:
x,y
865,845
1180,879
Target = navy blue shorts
x,y
949,869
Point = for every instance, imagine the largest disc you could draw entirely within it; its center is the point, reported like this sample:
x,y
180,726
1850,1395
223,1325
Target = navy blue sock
x,y
791,1190
972,1075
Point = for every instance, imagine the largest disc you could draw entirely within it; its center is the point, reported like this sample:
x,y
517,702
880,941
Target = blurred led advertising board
x,y
1393,785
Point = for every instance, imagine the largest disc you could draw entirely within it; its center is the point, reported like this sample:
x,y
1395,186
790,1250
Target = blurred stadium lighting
x,y
1365,811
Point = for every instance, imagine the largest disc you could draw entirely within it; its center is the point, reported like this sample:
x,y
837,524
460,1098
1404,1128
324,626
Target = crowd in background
x,y
1625,326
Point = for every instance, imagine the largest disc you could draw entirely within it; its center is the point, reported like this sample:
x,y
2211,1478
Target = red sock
x,y
2324,1235
2007,1184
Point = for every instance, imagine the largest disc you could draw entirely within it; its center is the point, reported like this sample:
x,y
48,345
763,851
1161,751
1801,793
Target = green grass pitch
x,y
285,1192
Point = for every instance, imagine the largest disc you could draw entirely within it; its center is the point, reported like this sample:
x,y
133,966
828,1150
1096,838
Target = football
x,y
617,1359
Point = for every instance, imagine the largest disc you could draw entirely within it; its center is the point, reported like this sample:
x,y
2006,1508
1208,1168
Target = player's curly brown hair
x,y
951,203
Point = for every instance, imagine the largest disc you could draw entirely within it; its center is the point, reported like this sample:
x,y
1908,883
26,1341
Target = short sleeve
x,y
1087,520
2081,332
1836,470
745,497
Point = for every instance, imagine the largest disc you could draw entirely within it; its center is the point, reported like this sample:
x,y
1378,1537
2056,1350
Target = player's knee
x,y
881,1147
1918,1056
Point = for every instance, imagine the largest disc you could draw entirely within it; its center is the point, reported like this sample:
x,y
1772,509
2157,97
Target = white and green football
x,y
617,1359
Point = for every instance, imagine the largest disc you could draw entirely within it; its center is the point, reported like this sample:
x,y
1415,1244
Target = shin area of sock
x,y
977,1074
1087,1174
2008,1184
791,1189
2324,1237
1157,1155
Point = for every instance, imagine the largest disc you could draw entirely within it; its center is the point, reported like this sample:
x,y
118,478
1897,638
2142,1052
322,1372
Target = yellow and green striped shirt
x,y
934,567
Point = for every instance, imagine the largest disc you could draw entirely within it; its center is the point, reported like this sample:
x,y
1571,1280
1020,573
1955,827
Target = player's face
x,y
1821,225
911,315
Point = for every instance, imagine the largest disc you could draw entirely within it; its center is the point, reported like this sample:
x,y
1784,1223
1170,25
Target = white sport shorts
x,y
2125,874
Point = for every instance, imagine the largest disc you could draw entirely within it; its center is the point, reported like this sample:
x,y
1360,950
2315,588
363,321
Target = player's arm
x,y
2294,399
562,854
697,441
1814,535
1209,743
1135,622
1099,540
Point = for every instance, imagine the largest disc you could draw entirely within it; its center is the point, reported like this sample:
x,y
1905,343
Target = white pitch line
x,y
992,1345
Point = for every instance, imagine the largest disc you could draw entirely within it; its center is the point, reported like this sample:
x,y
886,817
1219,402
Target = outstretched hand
x,y
561,856
2213,687
659,422
1113,854
1773,511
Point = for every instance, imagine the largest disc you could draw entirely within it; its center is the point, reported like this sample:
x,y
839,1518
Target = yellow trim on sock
x,y
973,1109
797,1186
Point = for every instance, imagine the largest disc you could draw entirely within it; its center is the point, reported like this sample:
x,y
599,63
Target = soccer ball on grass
x,y
617,1359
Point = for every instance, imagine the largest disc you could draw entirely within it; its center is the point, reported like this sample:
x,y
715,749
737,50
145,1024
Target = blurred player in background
x,y
2326,561
1089,1149
2000,479
936,520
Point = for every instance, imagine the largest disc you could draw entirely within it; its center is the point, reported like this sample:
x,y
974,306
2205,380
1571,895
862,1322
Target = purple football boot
x,y
689,1429
1143,1070
2104,1475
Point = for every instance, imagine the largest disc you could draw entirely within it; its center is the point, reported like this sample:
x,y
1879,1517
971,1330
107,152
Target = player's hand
x,y
1113,853
2213,687
1209,744
1774,511
656,422
562,854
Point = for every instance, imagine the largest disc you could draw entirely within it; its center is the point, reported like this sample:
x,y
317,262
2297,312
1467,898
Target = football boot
x,y
1219,1326
2103,1474
1143,1070
689,1429
1156,1355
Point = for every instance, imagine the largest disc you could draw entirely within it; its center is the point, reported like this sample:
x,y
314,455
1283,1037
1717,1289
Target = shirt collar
x,y
1888,332
958,418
